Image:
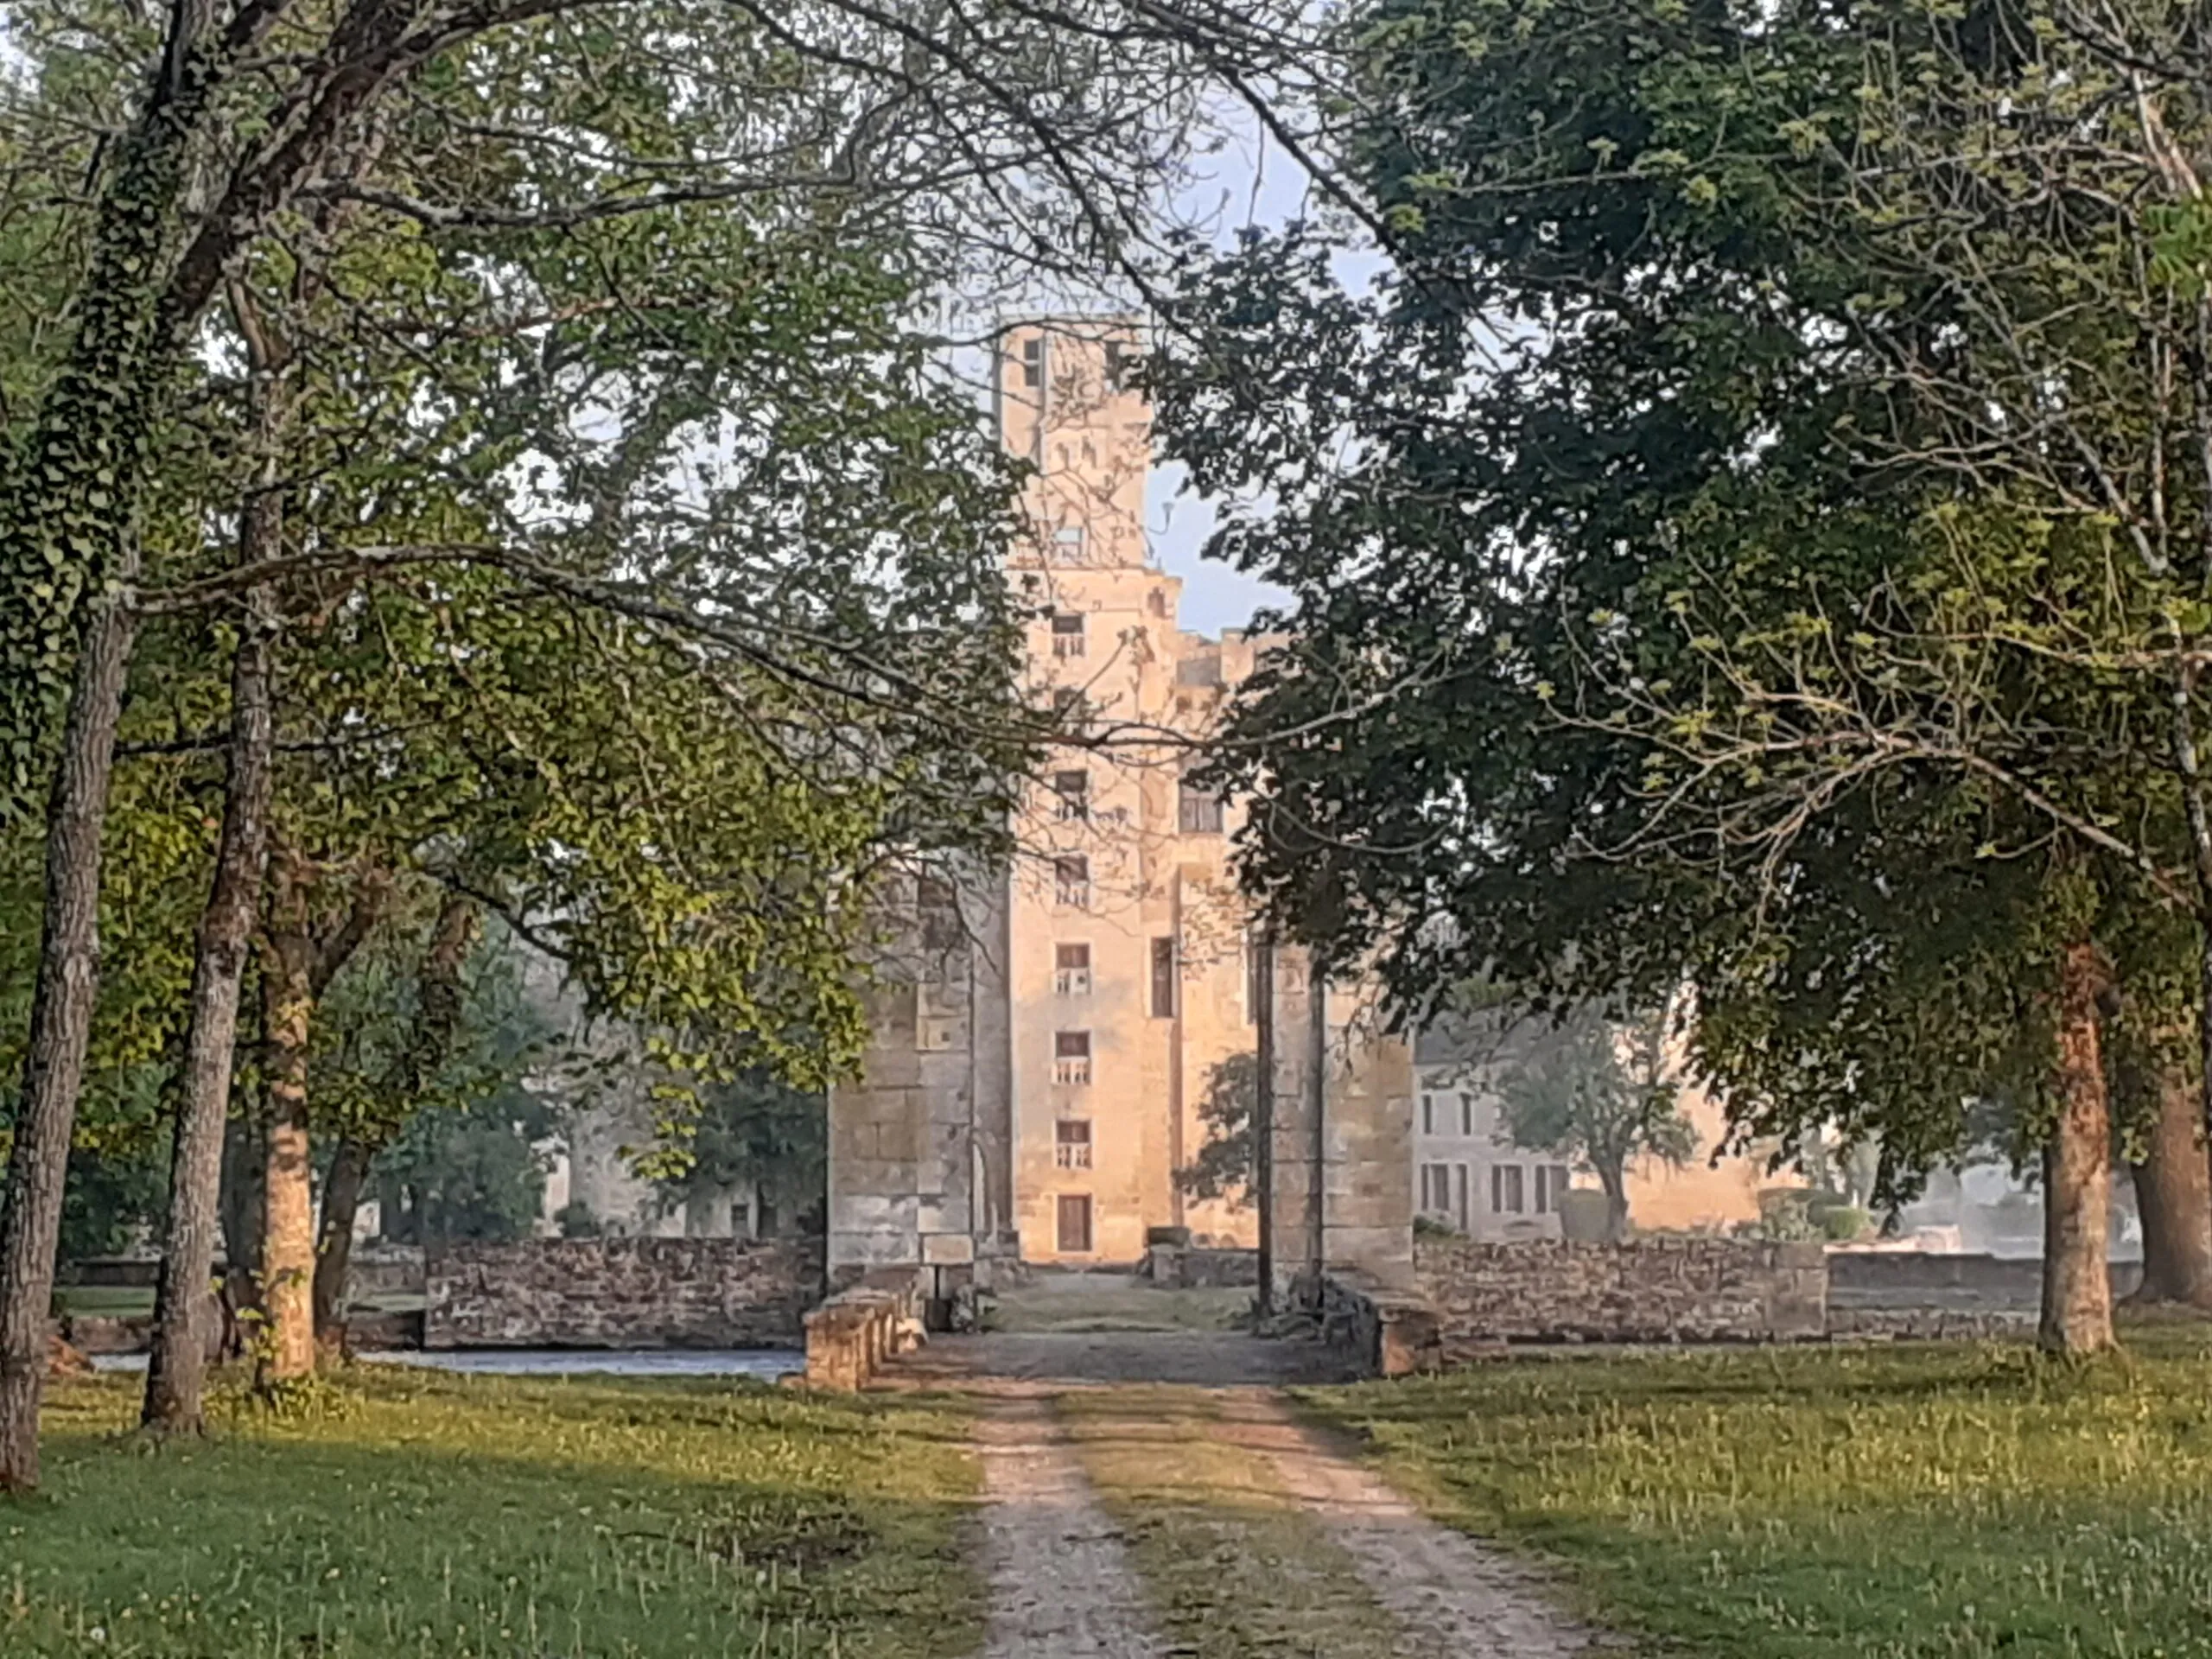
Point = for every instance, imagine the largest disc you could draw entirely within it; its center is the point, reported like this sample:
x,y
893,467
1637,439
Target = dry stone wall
x,y
621,1293
1654,1290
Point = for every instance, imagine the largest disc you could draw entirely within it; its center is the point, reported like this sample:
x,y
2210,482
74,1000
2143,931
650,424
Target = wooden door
x,y
1075,1224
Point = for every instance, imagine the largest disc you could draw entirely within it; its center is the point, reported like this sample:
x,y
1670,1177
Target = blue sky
x,y
1248,181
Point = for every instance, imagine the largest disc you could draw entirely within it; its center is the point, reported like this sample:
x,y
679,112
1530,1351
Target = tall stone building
x,y
1043,1049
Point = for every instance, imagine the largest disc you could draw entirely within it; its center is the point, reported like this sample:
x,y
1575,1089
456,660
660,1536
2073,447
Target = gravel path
x,y
1061,1586
1463,1601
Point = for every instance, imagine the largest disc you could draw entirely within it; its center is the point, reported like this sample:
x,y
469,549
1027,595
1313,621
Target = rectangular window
x,y
1068,707
1506,1190
1067,633
1466,1219
1072,1057
1428,1114
1032,362
1436,1189
1069,541
1075,1224
1073,788
1163,978
1551,1186
1466,1113
1117,365
1071,879
1197,811
1072,969
1071,1143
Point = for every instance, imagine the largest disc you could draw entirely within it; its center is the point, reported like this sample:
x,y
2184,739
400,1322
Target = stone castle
x,y
1043,1044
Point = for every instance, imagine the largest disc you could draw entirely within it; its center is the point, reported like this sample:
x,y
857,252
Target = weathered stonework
x,y
1654,1290
621,1293
1386,1333
850,1336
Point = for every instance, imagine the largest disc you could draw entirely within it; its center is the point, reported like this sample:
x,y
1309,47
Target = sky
x,y
1249,181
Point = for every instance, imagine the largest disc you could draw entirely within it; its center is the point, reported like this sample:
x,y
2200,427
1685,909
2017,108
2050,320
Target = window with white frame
x,y
1071,879
1071,1057
1071,1143
1071,795
1072,969
1067,633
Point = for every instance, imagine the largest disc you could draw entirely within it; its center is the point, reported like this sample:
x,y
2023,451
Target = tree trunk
x,y
439,997
244,1152
2173,1193
61,1022
2077,1171
176,1370
1613,1181
334,1256
288,992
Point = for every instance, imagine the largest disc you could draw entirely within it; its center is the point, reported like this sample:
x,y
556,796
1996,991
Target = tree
x,y
1603,1095
1650,629
1223,1168
754,1133
919,129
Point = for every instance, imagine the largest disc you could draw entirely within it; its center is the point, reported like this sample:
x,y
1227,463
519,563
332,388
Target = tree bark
x,y
61,1022
244,1152
2077,1169
1614,1180
288,1198
2173,1194
334,1256
296,969
176,1370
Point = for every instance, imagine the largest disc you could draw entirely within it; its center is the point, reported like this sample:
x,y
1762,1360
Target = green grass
x,y
1820,1503
403,1513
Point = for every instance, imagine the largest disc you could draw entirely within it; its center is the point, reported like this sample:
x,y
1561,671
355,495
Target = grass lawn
x,y
406,1513
1815,1504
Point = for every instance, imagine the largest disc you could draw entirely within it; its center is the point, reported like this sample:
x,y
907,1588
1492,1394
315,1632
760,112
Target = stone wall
x,y
850,1336
1384,1332
1963,1279
621,1293
1652,1290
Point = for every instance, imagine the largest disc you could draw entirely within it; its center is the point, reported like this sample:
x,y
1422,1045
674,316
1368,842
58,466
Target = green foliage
x,y
1831,1504
1223,1168
1650,628
113,1201
472,1173
1602,1094
709,1516
753,1131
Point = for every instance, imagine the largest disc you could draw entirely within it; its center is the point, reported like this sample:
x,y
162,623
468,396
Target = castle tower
x,y
1039,1066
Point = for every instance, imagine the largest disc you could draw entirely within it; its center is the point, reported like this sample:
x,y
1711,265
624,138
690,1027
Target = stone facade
x,y
1654,1290
1036,1073
1342,1110
621,1293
